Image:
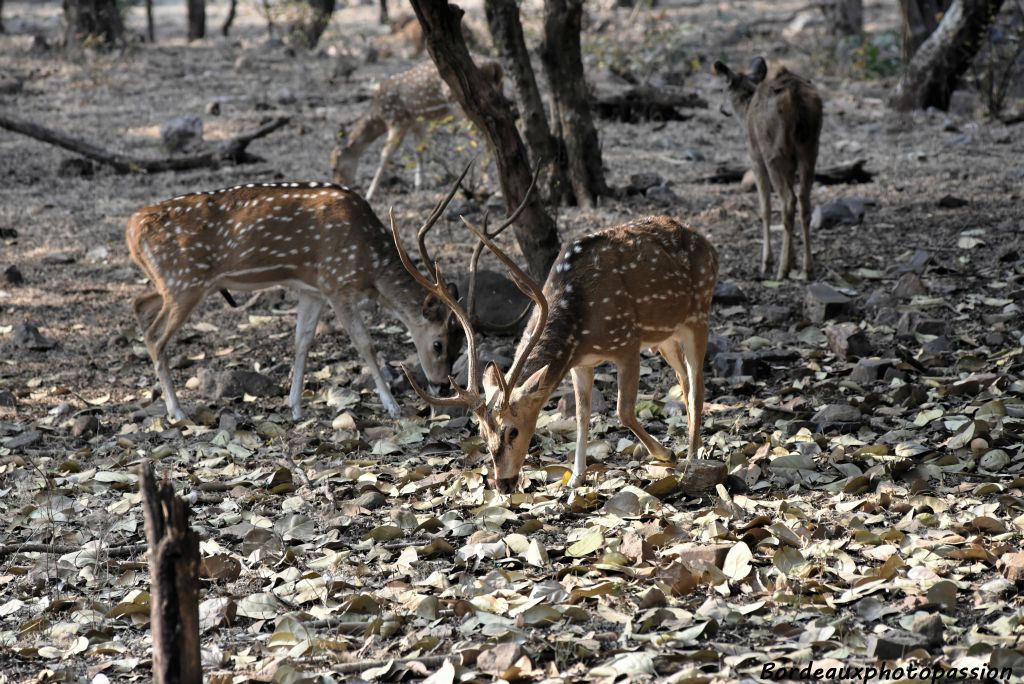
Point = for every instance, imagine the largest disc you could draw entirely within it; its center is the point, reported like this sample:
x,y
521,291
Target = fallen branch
x,y
110,551
427,661
232,150
851,174
646,103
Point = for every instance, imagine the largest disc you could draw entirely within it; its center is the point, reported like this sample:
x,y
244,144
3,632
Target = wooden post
x,y
174,582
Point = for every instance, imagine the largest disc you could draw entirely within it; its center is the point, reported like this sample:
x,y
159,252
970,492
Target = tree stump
x,y
174,583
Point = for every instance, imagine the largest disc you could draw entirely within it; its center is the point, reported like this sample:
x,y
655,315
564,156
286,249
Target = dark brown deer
x,y
319,239
782,116
646,283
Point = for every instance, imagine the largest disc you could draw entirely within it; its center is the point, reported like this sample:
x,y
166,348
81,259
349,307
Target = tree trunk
x,y
150,29
844,17
92,21
306,32
933,72
230,19
174,583
918,19
1,16
383,17
507,34
563,62
196,19
535,230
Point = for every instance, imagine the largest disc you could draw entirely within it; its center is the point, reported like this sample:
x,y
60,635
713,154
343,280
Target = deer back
x,y
312,235
784,117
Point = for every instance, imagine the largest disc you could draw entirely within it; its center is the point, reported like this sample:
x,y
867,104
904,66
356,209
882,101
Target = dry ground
x,y
353,539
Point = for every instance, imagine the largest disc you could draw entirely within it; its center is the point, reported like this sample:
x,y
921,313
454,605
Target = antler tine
x,y
531,289
435,214
522,205
473,261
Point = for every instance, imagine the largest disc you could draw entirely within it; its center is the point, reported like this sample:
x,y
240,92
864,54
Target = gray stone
x,y
370,499
931,627
823,302
868,371
58,258
846,340
640,183
716,345
753,364
499,305
894,644
937,345
662,194
85,425
909,285
728,293
236,383
840,212
27,336
285,96
833,415
24,439
13,276
775,314
76,167
180,132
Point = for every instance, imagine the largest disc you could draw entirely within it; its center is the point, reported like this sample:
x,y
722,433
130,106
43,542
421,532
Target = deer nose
x,y
507,485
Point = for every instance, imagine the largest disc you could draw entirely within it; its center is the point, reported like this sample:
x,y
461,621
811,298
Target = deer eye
x,y
512,434
438,347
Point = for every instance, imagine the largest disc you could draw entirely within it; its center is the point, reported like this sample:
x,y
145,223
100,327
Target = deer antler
x,y
471,295
524,282
469,397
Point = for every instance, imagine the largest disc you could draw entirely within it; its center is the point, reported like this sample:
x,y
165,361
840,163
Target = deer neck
x,y
556,348
399,293
366,129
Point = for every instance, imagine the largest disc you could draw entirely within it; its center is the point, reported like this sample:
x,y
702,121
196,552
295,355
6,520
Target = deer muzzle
x,y
507,485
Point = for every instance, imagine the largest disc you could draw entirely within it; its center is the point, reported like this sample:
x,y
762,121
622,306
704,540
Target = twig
x,y
232,150
427,661
110,551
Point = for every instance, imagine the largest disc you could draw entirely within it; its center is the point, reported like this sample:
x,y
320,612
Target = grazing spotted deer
x,y
405,40
319,239
782,116
403,103
646,283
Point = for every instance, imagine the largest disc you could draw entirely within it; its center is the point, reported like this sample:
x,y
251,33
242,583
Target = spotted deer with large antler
x,y
646,283
319,239
404,103
782,119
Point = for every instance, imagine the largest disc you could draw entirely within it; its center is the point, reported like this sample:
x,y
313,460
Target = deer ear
x,y
530,385
720,69
493,382
431,308
453,290
758,69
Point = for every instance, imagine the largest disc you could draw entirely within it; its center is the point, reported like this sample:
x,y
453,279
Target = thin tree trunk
x,y
174,583
535,230
2,16
918,19
383,17
92,20
322,11
196,19
230,19
507,34
844,17
936,67
563,62
150,29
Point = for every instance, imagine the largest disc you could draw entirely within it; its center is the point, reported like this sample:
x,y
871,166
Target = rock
x,y
823,302
7,399
639,183
213,108
227,422
1013,567
85,425
754,364
598,403
703,475
12,275
24,439
841,212
180,132
951,202
838,415
236,383
716,345
8,233
371,499
58,258
662,194
499,659
775,314
846,340
894,644
10,85
868,371
499,303
728,293
909,285
937,345
76,167
696,556
285,96
27,336
913,323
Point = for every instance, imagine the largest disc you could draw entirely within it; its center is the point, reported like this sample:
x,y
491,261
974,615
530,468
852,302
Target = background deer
x,y
321,240
647,283
782,116
403,103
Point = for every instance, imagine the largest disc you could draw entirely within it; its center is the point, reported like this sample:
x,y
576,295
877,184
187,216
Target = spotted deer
x,y
646,283
403,103
782,117
319,239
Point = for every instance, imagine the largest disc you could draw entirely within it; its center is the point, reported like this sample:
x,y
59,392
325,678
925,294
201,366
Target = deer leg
x,y
694,342
583,386
629,384
391,145
672,352
806,180
764,196
352,321
168,321
146,308
308,314
782,180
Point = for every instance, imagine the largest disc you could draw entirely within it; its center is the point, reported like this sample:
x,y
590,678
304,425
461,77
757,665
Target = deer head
x,y
740,87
